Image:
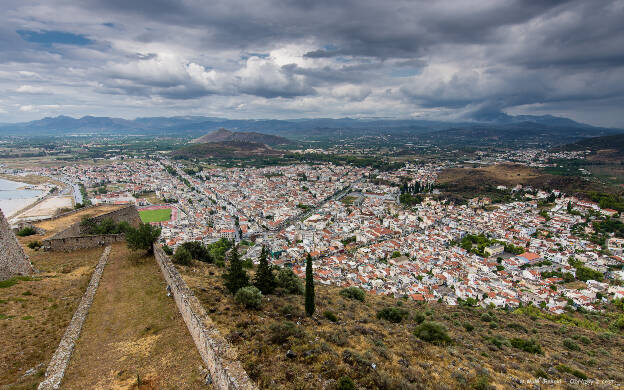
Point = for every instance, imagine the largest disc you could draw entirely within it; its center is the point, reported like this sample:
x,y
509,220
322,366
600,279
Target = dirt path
x,y
134,331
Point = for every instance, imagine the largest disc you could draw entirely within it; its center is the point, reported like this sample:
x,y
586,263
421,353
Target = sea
x,y
14,197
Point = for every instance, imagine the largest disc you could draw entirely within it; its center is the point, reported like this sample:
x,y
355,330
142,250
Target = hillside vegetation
x,y
379,342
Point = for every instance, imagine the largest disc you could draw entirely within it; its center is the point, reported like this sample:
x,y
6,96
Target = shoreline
x,y
13,206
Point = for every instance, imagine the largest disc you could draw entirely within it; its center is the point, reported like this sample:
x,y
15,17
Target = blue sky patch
x,y
49,38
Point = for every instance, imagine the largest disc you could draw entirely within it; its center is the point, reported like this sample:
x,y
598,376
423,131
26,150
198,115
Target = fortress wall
x,y
13,260
220,357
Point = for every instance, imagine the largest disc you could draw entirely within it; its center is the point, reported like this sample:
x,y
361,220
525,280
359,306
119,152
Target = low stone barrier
x,y
220,357
58,364
69,244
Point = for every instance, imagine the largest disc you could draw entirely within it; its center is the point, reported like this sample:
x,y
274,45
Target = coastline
x,y
14,196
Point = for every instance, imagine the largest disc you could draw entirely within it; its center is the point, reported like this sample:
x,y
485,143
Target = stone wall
x,y
221,358
58,364
13,260
69,244
126,214
74,237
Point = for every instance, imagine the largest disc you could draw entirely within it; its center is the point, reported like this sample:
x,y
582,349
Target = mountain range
x,y
493,129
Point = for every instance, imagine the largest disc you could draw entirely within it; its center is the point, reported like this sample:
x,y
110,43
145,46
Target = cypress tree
x,y
309,287
236,276
264,281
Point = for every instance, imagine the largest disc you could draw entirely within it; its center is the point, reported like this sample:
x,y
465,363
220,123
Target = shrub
x,y
419,317
518,327
353,293
345,383
250,297
433,332
26,231
530,345
168,251
619,323
34,245
198,251
571,345
182,256
143,237
392,314
468,326
576,372
289,310
330,316
279,332
288,281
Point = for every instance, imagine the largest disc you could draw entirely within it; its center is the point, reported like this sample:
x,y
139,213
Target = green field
x,y
159,215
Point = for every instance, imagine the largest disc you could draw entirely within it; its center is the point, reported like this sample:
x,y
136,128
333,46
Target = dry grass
x,y
326,351
36,312
54,226
501,174
134,330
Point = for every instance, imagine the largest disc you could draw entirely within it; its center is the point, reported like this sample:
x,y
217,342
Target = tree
x,y
264,281
182,256
143,237
236,276
309,287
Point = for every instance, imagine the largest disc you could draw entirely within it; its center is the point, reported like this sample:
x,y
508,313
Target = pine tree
x,y
264,281
309,287
236,276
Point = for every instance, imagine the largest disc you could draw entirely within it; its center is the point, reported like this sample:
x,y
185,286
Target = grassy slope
x,y
132,329
329,350
38,311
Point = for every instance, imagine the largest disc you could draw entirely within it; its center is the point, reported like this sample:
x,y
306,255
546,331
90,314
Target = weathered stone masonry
x,y
221,358
13,260
74,238
58,364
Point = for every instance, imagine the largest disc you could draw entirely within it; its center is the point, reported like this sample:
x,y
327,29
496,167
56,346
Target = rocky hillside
x,y
223,135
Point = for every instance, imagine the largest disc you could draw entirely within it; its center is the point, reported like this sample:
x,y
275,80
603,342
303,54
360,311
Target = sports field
x,y
158,215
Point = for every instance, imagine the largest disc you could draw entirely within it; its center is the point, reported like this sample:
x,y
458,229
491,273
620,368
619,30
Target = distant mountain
x,y
225,149
525,133
611,143
488,128
222,135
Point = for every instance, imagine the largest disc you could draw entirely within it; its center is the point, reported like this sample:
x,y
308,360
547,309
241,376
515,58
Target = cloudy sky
x,y
324,58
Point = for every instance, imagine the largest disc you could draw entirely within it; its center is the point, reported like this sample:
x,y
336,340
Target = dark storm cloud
x,y
401,56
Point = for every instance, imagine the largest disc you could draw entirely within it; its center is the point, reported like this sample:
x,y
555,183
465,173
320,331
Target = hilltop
x,y
223,135
225,149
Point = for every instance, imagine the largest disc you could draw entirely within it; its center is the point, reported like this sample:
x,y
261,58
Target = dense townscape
x,y
365,230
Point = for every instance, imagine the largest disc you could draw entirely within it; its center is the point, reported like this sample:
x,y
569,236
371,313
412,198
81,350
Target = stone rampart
x,y
221,358
60,360
13,260
69,244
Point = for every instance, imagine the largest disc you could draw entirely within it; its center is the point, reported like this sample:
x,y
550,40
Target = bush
x,y
198,251
353,293
619,323
345,383
288,281
530,345
143,237
279,332
392,314
585,340
289,310
250,297
182,256
571,345
468,326
432,332
419,317
168,251
26,231
34,245
330,316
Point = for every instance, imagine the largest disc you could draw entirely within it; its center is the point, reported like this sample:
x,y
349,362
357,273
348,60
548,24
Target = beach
x,y
14,196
